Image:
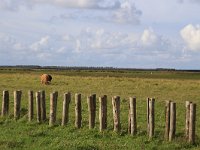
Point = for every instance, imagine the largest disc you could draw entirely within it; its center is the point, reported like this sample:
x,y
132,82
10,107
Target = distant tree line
x,y
89,68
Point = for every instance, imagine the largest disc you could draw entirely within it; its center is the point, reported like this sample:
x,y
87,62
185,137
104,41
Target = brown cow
x,y
46,79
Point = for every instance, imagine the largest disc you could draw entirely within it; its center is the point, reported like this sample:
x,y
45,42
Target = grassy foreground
x,y
175,86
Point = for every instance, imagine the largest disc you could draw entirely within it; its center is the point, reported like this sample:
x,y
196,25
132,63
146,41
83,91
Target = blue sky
x,y
114,33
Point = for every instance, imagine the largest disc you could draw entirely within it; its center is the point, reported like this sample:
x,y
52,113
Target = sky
x,y
101,33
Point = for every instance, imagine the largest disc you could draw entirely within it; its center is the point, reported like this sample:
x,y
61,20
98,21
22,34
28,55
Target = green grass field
x,y
176,86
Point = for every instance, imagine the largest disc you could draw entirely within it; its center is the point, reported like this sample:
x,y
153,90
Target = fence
x,y
170,113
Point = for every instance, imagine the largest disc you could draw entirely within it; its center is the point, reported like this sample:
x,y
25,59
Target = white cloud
x,y
86,4
127,13
118,11
44,40
122,15
149,37
61,50
101,41
153,43
191,36
96,47
40,44
70,3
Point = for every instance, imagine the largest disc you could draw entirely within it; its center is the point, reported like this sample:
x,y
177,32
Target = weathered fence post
x,y
94,107
170,120
30,105
17,104
192,121
38,106
172,129
5,103
43,105
65,114
78,116
102,113
56,101
116,113
132,127
148,99
90,111
167,119
91,100
53,105
151,117
187,119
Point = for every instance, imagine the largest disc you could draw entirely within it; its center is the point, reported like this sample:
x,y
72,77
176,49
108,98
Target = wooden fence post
x,y
94,107
30,105
102,113
5,103
65,114
78,116
56,101
167,119
38,106
116,113
192,121
187,119
17,104
53,105
151,117
148,99
43,105
91,100
132,127
172,129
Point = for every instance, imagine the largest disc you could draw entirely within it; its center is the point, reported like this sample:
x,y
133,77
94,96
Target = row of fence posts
x,y
170,112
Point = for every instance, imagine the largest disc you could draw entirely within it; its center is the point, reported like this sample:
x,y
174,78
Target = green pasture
x,y
176,86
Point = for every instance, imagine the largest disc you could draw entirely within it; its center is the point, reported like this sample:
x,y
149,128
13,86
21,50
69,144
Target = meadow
x,y
161,85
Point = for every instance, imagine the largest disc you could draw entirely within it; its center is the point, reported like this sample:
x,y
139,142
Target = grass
x,y
176,86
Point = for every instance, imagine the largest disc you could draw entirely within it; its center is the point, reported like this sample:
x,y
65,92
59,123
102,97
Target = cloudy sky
x,y
114,33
